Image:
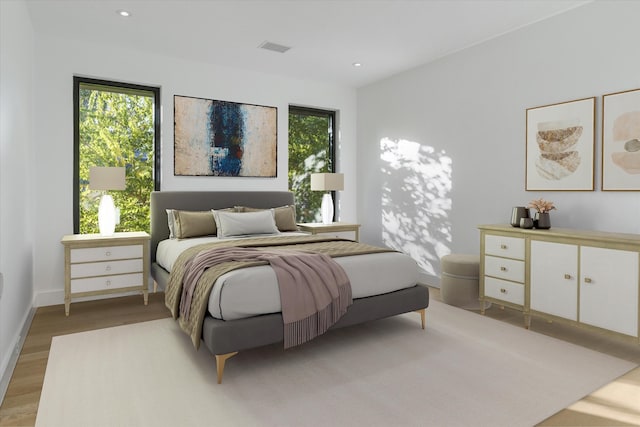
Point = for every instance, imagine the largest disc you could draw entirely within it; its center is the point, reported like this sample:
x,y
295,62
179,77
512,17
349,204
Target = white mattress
x,y
253,291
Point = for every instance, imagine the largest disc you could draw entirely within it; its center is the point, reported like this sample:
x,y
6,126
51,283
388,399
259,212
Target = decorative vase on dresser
x,y
542,220
587,278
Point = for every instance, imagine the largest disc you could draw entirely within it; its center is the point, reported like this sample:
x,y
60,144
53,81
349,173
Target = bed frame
x,y
225,339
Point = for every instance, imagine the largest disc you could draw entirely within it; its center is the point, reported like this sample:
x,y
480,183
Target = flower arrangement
x,y
541,205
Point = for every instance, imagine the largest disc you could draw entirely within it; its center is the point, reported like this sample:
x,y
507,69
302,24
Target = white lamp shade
x,y
106,178
327,181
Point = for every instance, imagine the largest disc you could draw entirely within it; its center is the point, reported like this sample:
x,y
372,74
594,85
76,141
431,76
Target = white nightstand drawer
x,y
106,253
105,283
509,247
508,269
106,268
503,290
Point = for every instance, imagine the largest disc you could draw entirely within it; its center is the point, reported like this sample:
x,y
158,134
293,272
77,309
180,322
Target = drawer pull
x,y
108,268
503,290
108,253
503,246
567,276
503,268
108,283
587,280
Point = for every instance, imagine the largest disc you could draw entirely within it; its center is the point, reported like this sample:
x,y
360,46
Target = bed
x,y
224,337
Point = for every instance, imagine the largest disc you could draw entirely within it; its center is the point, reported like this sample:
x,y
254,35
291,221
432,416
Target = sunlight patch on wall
x,y
416,201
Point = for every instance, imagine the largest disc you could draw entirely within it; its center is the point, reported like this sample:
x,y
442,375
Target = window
x,y
311,149
115,124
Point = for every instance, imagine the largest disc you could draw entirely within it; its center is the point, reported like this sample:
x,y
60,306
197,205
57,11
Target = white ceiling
x,y
326,37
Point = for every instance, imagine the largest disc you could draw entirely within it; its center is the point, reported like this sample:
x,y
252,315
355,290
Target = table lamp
x,y
105,179
327,182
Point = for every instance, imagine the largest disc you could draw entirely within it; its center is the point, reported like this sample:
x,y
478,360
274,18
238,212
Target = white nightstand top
x,y
97,237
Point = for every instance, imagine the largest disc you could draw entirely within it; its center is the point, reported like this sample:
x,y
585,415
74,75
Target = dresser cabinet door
x,y
609,289
554,279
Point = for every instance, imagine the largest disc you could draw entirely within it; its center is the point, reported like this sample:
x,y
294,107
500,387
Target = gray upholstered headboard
x,y
204,200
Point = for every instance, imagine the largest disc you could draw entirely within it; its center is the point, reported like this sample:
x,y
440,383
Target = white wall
x,y
58,60
462,120
16,177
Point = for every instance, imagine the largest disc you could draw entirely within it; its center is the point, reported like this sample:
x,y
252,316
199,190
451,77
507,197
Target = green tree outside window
x,y
311,149
116,128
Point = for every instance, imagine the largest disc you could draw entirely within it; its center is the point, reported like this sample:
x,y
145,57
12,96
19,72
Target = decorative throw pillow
x,y
285,216
193,224
233,224
171,221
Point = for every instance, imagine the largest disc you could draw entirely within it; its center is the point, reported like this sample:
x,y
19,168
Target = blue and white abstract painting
x,y
222,138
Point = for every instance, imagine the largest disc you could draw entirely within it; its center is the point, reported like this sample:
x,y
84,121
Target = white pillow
x,y
171,222
241,224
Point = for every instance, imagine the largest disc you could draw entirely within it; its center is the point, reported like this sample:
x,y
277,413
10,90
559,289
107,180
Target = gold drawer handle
x,y
503,290
503,246
503,268
567,276
587,280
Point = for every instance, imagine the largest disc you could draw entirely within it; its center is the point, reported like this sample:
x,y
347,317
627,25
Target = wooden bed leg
x,y
155,286
422,313
220,359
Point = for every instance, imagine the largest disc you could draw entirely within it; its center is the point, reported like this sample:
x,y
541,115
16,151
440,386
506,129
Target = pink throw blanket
x,y
314,290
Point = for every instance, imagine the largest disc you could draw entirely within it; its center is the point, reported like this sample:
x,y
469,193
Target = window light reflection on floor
x,y
618,402
416,200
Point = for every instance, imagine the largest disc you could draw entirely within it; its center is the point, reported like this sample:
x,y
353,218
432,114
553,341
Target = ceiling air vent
x,y
274,47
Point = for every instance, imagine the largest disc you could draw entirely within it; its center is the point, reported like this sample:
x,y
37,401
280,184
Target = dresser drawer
x,y
504,268
503,290
509,247
106,283
105,253
106,268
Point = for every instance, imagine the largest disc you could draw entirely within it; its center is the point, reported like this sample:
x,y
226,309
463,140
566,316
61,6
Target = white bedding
x,y
253,291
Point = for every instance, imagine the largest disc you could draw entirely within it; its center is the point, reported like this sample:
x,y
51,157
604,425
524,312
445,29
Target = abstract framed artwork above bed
x,y
223,138
249,313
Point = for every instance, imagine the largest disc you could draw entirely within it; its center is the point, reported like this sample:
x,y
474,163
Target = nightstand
x,y
100,265
334,227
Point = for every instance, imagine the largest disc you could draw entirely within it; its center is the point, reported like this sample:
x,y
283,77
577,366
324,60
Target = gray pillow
x,y
285,216
233,224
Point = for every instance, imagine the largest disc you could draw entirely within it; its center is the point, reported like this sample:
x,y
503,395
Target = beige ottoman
x,y
459,280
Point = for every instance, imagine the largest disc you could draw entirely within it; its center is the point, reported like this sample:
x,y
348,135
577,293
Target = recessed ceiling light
x,y
357,64
123,13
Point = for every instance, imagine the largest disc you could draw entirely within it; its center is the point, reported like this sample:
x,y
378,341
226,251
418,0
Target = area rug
x,y
463,370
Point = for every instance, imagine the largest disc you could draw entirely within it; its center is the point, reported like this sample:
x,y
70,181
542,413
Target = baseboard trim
x,y
46,298
15,353
429,279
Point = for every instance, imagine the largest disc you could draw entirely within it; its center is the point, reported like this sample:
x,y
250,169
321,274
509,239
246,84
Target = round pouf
x,y
459,280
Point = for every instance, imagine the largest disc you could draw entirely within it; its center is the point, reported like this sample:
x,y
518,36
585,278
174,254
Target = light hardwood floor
x,y
21,401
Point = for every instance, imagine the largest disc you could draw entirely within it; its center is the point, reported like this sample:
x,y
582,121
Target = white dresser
x,y
588,278
99,265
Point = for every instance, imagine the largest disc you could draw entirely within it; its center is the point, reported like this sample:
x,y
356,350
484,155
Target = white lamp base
x,y
327,208
107,216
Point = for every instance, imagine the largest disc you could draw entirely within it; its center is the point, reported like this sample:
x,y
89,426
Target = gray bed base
x,y
225,338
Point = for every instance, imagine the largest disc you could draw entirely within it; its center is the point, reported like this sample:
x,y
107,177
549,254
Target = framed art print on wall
x,y
560,146
621,141
222,138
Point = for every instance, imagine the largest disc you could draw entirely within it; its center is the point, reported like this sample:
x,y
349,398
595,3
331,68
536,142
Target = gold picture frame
x,y
560,146
621,141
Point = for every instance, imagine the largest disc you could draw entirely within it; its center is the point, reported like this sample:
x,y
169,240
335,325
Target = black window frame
x,y
77,81
331,114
